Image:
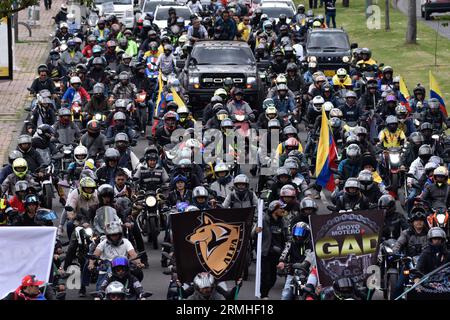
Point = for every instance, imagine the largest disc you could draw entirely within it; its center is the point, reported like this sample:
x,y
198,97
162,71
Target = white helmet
x,y
74,80
328,106
80,154
281,79
115,287
204,280
199,191
318,101
341,72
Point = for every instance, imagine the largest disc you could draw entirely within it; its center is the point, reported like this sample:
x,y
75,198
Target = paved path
x,y
28,54
443,31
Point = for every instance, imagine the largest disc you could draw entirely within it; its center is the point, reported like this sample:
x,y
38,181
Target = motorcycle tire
x,y
391,285
153,234
47,197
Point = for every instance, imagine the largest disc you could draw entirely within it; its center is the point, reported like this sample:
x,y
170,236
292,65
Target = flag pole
x,y
424,278
258,250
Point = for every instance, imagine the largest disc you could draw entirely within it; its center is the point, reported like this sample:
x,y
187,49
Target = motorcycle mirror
x,y
332,208
68,208
435,136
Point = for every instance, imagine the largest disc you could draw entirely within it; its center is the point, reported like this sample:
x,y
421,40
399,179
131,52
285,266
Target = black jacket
x,y
34,159
39,85
432,258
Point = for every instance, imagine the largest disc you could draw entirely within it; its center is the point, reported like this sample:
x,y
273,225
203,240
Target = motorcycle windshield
x,y
46,215
105,215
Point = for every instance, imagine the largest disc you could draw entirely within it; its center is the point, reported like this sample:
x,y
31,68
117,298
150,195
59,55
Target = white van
x,y
123,9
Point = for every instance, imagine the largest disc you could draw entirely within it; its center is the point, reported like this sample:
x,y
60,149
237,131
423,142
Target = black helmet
x,y
105,190
419,89
93,126
418,213
308,203
343,288
42,68
387,202
45,131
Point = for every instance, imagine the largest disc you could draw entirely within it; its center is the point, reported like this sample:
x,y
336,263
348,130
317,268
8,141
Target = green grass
x,y
412,62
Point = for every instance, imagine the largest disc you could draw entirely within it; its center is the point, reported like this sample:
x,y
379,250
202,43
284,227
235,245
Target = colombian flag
x,y
160,104
404,95
177,99
326,156
435,92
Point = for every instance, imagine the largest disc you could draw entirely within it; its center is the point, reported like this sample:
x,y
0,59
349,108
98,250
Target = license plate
x,y
329,73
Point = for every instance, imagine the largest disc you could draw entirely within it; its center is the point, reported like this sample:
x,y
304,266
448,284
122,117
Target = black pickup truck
x,y
330,48
213,64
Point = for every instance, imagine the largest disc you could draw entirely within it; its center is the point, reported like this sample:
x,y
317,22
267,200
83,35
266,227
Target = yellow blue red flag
x,y
404,95
435,92
326,155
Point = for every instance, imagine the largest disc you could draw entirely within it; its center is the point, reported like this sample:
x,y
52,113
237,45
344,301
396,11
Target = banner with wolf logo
x,y
346,244
214,241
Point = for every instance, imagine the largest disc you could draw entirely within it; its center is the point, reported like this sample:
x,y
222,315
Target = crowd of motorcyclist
x,y
96,95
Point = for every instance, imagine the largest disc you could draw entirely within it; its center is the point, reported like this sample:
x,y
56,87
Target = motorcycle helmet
x,y
13,155
401,112
221,93
120,267
179,178
45,131
273,124
317,102
301,232
308,206
112,154
290,131
105,190
418,213
241,183
271,112
93,126
31,199
200,192
20,167
343,288
336,113
21,186
288,191
425,153
87,187
268,103
115,291
350,94
291,67
436,233
341,73
440,175
365,179
183,113
75,80
204,283
80,154
387,202
416,138
226,124
274,205
392,123
335,123
221,168
121,140
352,187
434,105
112,229
222,114
419,90
353,151
23,140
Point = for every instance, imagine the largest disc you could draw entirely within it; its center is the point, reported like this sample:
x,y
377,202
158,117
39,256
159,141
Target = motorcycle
x,y
439,218
44,176
149,220
141,114
390,265
299,281
394,175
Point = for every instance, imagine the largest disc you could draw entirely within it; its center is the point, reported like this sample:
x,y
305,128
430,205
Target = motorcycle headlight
x,y
311,59
98,117
388,250
193,80
440,218
251,80
150,201
345,59
240,117
67,152
395,158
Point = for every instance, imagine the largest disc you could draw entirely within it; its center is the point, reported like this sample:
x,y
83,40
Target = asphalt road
x,y
157,283
435,24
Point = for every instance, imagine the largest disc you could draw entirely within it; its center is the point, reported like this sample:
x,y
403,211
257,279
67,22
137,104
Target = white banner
x,y
258,250
5,49
24,251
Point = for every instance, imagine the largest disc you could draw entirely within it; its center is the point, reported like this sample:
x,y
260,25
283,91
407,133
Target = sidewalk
x,y
28,54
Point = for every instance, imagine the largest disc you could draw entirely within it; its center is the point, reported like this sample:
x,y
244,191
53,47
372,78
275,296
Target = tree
x,y
411,32
8,7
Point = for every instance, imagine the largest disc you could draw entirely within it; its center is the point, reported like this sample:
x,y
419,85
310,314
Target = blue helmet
x,y
179,178
301,231
119,261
